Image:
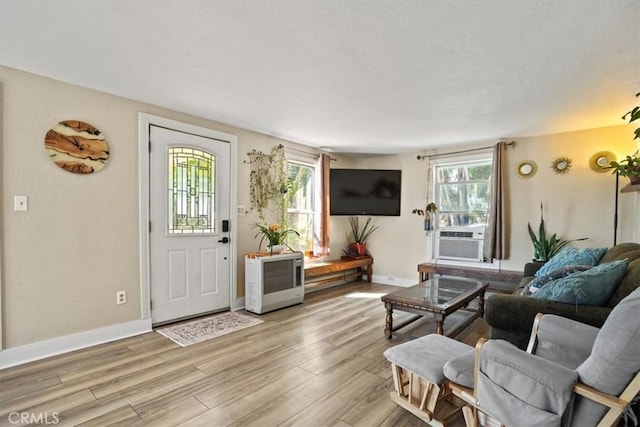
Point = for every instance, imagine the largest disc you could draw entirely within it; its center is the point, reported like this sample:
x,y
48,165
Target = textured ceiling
x,y
348,76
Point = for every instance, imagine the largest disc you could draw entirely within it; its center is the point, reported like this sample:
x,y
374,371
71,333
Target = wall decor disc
x,y
600,161
526,169
76,147
561,165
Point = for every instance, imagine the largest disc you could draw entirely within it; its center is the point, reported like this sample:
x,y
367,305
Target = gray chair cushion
x,y
564,341
427,355
615,358
460,369
522,389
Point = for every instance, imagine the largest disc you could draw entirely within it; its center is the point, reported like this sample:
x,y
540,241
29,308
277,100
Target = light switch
x,y
20,203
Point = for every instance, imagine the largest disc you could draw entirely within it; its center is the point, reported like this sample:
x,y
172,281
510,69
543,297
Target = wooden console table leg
x,y
369,273
388,327
481,305
439,324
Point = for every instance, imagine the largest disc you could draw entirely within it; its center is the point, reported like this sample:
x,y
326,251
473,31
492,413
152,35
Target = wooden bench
x,y
322,273
501,281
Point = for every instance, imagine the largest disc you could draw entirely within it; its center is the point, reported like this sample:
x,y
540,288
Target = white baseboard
x,y
393,281
41,349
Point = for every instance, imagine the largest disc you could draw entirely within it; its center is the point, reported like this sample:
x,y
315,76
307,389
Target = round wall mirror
x,y
526,169
561,165
601,160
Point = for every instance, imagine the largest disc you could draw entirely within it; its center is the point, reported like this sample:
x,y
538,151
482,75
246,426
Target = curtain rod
x,y
306,152
301,151
430,156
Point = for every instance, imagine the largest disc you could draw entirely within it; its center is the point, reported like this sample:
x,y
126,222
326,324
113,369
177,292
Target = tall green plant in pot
x,y
359,235
545,248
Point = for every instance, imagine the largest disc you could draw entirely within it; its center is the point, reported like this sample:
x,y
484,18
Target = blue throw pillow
x,y
592,287
538,282
572,256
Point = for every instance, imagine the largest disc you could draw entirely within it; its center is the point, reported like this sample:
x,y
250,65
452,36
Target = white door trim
x,y
144,121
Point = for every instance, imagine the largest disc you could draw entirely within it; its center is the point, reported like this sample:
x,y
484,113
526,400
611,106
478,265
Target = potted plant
x,y
429,213
544,249
430,208
275,236
634,114
630,166
359,235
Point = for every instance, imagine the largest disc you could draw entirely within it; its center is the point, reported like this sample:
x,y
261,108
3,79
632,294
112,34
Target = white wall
x,y
65,258
580,203
401,243
577,204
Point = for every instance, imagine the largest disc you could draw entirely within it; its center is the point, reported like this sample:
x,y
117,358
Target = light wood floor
x,y
315,364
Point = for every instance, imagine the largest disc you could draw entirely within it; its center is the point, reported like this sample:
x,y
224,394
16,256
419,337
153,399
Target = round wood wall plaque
x,y
76,147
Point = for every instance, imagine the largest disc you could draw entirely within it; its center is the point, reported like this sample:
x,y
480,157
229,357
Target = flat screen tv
x,y
365,192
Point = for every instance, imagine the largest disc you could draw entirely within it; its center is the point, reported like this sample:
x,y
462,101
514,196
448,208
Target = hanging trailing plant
x,y
429,213
430,208
272,190
267,179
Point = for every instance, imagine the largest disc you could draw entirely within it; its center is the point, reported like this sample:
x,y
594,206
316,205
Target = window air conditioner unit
x,y
273,281
460,243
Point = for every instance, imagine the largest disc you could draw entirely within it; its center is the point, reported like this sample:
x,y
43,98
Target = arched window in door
x,y
191,189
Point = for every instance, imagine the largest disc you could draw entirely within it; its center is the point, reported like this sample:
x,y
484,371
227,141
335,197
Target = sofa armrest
x,y
513,385
530,268
516,313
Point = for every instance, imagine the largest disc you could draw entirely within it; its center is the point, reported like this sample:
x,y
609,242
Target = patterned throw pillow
x,y
592,287
572,256
538,282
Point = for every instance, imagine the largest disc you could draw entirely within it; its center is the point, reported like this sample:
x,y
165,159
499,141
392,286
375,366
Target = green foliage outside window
x,y
301,204
464,192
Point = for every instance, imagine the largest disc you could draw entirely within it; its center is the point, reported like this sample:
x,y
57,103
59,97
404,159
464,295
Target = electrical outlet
x,y
391,278
20,203
121,297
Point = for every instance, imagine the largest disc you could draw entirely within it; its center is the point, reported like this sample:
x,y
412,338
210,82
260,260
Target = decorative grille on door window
x,y
191,191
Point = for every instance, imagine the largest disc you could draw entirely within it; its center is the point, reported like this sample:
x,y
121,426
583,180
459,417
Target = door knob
x,y
224,240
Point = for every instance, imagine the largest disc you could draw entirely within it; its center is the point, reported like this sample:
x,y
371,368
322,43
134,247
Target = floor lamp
x,y
615,215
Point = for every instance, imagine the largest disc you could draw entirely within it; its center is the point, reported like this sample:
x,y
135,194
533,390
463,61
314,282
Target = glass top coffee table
x,y
439,296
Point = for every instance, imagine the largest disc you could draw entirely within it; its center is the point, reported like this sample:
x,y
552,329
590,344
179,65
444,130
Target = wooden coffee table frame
x,y
440,312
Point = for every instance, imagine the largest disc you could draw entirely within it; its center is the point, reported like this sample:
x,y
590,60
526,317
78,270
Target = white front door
x,y
189,207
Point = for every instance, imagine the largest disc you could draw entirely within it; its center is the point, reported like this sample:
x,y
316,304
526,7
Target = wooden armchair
x,y
571,374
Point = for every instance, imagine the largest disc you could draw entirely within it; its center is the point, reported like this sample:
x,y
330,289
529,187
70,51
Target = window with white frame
x,y
462,192
302,209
